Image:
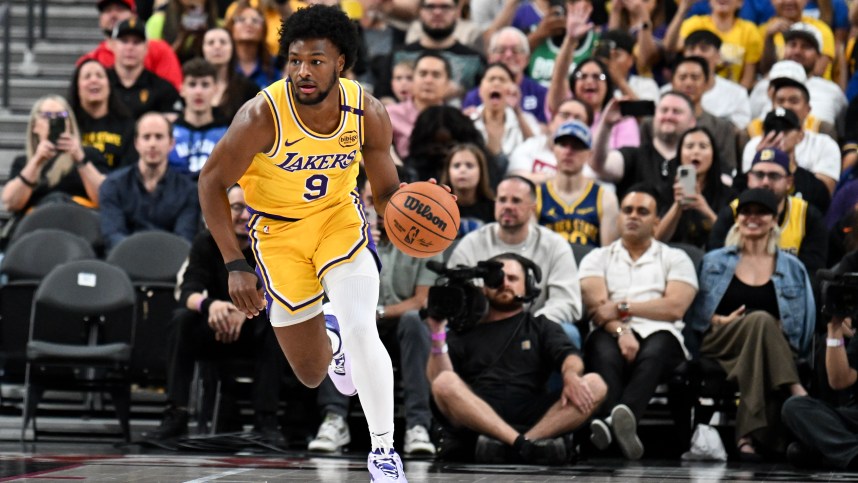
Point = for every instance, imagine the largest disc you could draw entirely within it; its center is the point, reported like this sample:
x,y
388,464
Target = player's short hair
x,y
321,22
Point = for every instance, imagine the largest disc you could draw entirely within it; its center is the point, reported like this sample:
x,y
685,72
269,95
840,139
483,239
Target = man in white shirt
x,y
723,98
637,290
802,46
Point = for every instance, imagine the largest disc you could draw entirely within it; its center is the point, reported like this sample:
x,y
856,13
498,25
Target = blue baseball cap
x,y
574,129
773,155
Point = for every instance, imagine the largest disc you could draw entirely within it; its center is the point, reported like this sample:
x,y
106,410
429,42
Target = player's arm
x,y
251,132
380,168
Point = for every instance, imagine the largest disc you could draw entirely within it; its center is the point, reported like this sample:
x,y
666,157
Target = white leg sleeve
x,y
353,291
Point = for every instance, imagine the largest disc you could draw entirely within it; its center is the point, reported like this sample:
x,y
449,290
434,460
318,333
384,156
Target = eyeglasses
x,y
761,175
237,207
511,49
250,20
53,114
596,77
443,7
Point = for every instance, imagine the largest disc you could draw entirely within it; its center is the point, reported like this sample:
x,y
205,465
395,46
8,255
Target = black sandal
x,y
748,456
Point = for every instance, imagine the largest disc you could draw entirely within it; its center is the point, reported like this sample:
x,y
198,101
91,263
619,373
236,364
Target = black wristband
x,y
26,181
204,307
239,265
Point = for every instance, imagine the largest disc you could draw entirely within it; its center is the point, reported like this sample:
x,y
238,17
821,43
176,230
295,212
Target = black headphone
x,y
532,275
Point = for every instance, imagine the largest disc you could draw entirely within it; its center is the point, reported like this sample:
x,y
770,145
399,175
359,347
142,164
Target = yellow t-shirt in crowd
x,y
824,29
273,19
741,45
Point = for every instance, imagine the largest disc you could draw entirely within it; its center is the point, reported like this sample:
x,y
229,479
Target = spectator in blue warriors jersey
x,y
198,129
466,171
573,205
296,150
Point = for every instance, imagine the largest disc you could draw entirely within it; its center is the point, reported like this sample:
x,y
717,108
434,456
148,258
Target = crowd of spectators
x,y
562,127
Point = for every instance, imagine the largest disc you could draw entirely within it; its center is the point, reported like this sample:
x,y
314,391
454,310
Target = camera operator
x,y
490,381
827,435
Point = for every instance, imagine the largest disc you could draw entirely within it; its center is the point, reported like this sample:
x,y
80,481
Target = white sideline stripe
x,y
220,475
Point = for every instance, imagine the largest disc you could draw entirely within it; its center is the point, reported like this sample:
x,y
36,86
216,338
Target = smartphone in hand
x,y
57,127
686,176
637,108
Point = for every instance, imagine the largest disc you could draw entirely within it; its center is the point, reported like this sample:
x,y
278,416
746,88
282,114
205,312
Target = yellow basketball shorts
x,y
293,256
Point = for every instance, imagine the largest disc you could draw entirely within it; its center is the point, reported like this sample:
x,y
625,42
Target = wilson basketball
x,y
421,219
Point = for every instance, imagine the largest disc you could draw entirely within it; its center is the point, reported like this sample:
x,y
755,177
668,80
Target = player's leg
x,y
353,290
305,343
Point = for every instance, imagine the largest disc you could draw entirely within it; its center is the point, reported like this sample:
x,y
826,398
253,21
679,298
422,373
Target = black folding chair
x,y
152,259
27,261
81,335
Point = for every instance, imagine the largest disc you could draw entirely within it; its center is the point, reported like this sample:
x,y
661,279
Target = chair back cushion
x,y
151,256
35,254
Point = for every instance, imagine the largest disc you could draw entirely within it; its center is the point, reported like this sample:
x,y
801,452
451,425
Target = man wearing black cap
x,y
803,232
160,57
815,152
616,49
723,97
139,89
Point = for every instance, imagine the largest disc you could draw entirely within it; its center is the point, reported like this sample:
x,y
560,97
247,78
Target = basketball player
x,y
570,203
295,149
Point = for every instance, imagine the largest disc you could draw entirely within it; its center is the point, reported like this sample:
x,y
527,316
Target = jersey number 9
x,y
317,187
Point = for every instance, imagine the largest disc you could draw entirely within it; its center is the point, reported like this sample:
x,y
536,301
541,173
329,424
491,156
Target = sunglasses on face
x,y
53,114
761,175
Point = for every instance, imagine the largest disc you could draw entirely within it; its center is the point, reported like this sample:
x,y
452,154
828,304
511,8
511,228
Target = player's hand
x,y
629,345
577,392
244,294
435,181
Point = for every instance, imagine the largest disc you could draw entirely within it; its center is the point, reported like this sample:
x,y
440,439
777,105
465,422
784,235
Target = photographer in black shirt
x,y
490,381
827,435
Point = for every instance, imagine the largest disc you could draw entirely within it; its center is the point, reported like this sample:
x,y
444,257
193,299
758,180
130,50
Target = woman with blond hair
x,y
55,164
756,313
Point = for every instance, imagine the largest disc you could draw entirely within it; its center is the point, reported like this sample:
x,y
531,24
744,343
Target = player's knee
x,y
310,375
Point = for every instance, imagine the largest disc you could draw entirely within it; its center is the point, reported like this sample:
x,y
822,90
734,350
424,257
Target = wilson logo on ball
x,y
424,211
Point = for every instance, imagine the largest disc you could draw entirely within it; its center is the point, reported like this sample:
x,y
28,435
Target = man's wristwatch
x,y
625,312
379,312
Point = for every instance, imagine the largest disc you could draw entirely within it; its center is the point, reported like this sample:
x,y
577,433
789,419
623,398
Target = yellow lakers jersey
x,y
305,172
794,225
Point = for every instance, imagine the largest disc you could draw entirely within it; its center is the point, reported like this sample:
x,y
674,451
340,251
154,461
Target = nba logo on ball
x,y
422,219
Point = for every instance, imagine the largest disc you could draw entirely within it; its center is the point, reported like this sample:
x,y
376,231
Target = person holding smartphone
x,y
55,165
698,192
